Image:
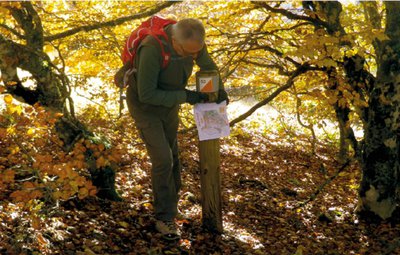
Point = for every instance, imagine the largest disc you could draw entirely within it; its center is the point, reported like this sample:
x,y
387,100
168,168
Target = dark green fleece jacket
x,y
155,86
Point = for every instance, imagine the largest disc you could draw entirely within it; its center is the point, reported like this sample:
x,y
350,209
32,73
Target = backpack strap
x,y
155,27
166,56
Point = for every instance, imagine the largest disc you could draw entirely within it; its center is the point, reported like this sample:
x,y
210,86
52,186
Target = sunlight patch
x,y
242,235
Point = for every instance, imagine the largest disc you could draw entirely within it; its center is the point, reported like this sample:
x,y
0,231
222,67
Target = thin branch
x,y
110,23
278,53
320,188
13,31
24,150
282,71
292,15
66,81
255,46
240,47
300,70
101,106
250,94
310,126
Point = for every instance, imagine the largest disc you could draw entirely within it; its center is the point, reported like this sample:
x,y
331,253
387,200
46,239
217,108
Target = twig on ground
x,y
321,187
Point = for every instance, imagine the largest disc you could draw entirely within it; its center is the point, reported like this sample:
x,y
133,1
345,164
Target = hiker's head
x,y
188,37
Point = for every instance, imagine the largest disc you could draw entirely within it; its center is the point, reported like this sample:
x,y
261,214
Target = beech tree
x,y
24,42
378,152
319,60
344,57
381,152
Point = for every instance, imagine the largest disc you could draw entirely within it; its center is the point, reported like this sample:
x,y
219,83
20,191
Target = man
x,y
154,95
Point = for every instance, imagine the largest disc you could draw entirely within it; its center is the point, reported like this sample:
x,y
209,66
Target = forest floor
x,y
270,205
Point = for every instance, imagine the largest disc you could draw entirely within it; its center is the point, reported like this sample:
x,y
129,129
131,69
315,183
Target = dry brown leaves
x,y
263,182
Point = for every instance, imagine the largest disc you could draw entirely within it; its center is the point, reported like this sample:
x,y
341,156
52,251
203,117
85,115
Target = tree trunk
x,y
380,165
52,86
379,152
51,91
342,115
354,75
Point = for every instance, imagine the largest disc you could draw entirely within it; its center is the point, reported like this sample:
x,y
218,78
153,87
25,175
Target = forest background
x,y
311,166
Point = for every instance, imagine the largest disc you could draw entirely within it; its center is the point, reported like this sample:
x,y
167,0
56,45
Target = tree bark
x,y
51,84
380,182
379,155
347,136
380,150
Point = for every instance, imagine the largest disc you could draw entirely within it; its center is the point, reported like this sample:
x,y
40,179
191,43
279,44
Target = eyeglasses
x,y
185,52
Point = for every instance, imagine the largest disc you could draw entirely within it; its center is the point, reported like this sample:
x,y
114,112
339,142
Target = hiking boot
x,y
168,230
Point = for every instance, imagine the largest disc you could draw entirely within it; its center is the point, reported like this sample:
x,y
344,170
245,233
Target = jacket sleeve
x,y
206,63
148,69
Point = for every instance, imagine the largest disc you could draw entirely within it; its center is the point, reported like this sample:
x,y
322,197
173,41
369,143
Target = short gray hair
x,y
189,29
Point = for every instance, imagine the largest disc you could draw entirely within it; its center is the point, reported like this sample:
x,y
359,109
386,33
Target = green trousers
x,y
158,129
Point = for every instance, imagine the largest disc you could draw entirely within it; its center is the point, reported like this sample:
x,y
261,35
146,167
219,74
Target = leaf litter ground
x,y
264,183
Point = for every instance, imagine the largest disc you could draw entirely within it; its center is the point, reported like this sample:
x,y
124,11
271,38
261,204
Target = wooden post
x,y
209,154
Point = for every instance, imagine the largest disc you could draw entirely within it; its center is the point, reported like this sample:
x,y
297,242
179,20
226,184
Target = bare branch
x,y
300,70
110,23
291,15
276,52
309,126
323,185
272,66
12,30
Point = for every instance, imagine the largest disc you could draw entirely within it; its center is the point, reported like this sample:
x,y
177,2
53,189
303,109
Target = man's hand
x,y
222,95
193,97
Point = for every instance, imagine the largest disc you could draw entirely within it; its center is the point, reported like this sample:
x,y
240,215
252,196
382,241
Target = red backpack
x,y
154,26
